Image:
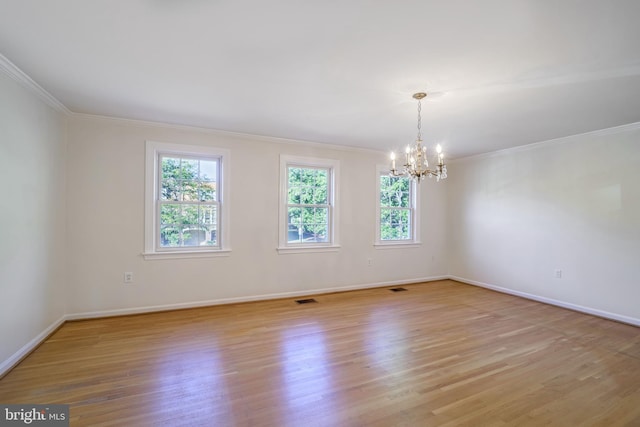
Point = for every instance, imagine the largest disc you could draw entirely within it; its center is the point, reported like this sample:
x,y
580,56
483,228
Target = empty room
x,y
305,213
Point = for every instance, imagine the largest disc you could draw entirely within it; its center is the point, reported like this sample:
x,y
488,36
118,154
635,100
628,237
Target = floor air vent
x,y
306,301
397,289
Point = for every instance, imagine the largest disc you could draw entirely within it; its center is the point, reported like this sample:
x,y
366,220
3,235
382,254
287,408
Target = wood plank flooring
x,y
439,354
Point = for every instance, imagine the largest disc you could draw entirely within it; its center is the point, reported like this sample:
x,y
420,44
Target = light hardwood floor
x,y
439,354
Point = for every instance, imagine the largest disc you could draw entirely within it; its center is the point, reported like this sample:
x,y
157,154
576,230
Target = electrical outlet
x,y
128,277
558,274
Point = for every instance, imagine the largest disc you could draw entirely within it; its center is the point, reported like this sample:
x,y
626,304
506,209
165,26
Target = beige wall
x,y
32,219
572,205
106,224
73,222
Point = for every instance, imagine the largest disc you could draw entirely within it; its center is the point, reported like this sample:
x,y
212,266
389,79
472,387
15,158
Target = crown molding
x,y
11,70
629,127
229,134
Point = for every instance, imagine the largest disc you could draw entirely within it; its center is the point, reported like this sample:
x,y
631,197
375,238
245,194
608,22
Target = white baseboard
x,y
8,364
15,358
264,297
588,310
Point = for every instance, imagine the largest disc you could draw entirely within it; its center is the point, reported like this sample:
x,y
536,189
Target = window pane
x,y
170,189
307,176
207,192
398,198
208,223
321,216
189,191
320,182
403,216
193,235
294,176
295,216
307,188
294,195
293,233
189,214
320,232
320,195
208,170
306,195
395,224
169,214
394,191
308,215
190,169
312,185
384,198
170,168
208,215
184,226
169,236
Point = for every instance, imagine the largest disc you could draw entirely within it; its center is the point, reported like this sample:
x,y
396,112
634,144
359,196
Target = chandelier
x,y
416,165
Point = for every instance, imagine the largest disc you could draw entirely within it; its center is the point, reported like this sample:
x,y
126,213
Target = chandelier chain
x,y
419,120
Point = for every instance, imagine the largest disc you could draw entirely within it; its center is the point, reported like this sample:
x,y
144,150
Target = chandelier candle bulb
x,y
393,161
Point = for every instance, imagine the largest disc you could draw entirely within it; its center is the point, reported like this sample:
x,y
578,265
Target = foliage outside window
x,y
308,205
397,219
308,198
188,202
395,208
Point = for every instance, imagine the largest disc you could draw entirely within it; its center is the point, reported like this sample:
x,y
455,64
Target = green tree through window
x,y
188,201
395,208
307,204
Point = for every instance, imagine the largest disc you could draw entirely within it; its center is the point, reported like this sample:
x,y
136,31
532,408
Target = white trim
x,y
11,70
152,151
588,310
397,245
15,358
230,134
334,205
629,127
264,297
185,254
305,249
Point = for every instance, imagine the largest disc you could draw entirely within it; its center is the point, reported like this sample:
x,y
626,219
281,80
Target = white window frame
x,y
153,151
414,212
332,243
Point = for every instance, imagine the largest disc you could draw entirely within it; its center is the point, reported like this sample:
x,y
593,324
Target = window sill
x,y
303,250
185,254
397,245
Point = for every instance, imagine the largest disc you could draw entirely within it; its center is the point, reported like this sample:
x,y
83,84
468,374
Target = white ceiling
x,y
500,73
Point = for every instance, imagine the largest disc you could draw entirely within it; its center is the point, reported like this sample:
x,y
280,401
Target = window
x,y
308,218
397,219
188,201
186,212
